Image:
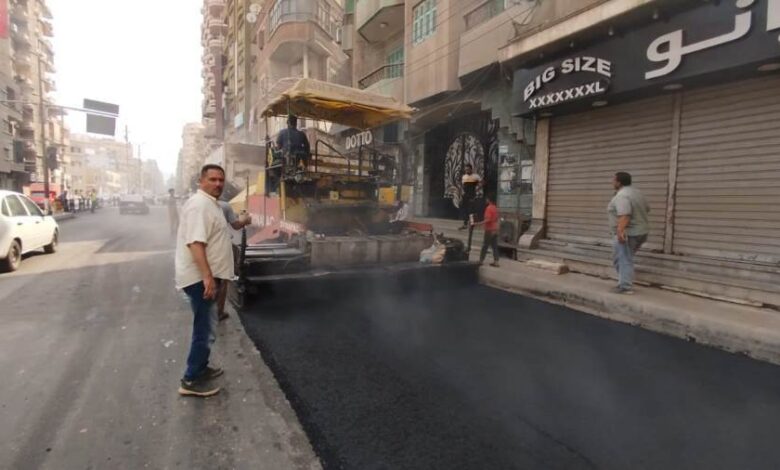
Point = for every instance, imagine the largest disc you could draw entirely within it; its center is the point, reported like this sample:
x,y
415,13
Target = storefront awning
x,y
314,99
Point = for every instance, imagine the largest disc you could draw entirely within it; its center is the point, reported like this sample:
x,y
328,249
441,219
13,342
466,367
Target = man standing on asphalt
x,y
470,183
237,223
173,212
490,221
629,225
204,260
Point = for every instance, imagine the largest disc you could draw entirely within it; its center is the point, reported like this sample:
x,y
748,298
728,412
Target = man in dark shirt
x,y
294,143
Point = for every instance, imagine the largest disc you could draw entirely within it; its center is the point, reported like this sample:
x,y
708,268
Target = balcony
x,y
25,83
21,38
321,12
19,15
45,11
386,80
378,20
49,85
216,7
217,27
216,45
22,64
47,29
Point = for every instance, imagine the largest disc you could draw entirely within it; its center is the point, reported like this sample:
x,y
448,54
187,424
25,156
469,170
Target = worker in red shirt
x,y
490,222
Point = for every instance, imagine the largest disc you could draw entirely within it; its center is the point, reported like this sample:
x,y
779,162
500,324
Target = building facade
x,y
191,157
33,69
13,174
100,164
685,96
254,50
213,31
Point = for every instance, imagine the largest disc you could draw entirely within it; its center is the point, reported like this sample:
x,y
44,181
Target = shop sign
x,y
358,140
583,67
702,43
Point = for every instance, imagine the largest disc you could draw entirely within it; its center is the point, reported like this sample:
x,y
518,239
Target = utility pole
x,y
44,153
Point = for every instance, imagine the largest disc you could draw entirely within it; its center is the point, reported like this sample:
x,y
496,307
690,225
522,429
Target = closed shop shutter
x,y
587,149
728,183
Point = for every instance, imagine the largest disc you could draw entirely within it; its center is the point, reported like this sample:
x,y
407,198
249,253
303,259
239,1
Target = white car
x,y
23,228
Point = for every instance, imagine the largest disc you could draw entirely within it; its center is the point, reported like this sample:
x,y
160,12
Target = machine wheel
x,y
14,258
52,247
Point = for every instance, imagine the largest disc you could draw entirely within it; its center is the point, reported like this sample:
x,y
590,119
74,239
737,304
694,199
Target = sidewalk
x,y
735,328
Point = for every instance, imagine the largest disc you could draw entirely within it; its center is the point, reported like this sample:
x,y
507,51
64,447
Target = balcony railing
x,y
382,73
484,12
320,12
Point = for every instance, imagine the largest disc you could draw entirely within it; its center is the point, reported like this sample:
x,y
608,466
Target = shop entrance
x,y
449,147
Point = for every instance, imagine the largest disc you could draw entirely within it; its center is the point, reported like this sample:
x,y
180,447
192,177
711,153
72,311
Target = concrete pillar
x,y
530,239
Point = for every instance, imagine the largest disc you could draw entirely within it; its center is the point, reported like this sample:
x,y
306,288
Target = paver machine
x,y
321,217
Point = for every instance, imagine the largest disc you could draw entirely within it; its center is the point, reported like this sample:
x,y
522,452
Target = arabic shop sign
x,y
725,40
585,67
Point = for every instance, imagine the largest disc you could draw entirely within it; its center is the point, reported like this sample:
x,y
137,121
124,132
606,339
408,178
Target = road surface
x,y
94,338
482,379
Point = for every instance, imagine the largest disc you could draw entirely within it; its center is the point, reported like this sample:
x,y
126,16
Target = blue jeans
x,y
623,259
204,322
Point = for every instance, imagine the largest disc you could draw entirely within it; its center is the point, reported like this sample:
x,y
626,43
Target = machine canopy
x,y
322,101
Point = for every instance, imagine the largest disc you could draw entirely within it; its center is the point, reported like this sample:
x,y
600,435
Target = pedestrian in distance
x,y
237,222
471,182
490,222
629,225
204,260
173,211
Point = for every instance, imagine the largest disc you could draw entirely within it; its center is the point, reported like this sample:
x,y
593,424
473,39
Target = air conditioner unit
x,y
339,34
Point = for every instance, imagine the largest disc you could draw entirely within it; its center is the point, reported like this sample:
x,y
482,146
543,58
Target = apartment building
x,y
213,30
12,171
257,50
453,76
191,157
33,68
104,165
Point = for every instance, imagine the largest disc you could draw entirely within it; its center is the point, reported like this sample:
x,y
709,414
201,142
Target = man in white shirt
x,y
204,260
471,182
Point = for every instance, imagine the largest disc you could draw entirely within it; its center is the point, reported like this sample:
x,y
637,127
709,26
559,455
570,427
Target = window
x,y
424,21
395,59
31,207
15,206
4,208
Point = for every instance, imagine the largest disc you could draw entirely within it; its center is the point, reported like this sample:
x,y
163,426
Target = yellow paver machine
x,y
327,215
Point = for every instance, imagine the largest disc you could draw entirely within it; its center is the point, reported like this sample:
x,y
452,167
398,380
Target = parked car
x,y
133,203
23,228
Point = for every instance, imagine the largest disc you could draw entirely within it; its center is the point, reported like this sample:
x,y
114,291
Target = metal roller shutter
x,y
728,180
587,149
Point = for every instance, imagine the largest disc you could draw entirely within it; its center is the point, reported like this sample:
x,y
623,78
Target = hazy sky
x,y
143,55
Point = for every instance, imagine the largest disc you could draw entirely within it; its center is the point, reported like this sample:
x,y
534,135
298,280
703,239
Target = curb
x,y
738,329
66,216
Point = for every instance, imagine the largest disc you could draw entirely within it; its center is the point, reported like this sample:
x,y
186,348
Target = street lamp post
x,y
44,153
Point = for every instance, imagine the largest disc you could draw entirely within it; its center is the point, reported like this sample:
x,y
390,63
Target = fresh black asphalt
x,y
476,378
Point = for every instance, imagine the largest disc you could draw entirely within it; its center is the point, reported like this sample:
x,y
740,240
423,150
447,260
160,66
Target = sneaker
x,y
197,388
495,264
463,227
622,290
210,373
